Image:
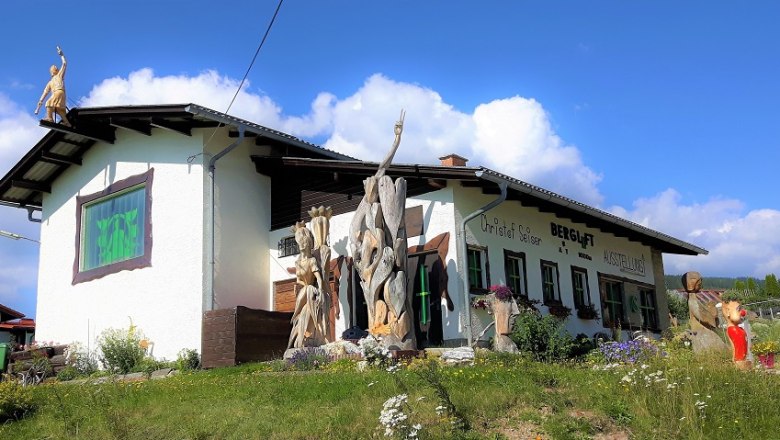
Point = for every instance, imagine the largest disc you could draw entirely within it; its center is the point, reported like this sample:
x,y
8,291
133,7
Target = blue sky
x,y
662,112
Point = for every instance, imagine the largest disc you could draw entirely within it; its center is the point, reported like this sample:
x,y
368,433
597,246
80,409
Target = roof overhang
x,y
63,147
7,313
487,180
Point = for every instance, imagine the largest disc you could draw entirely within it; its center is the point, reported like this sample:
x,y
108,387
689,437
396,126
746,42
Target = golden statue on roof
x,y
55,86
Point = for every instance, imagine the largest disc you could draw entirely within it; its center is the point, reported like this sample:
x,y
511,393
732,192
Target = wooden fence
x,y
237,335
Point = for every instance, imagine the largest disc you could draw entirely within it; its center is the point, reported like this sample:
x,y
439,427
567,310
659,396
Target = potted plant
x,y
766,352
587,312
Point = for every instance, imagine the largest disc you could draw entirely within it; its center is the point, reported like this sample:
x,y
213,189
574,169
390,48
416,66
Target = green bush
x,y
544,337
121,349
68,373
765,330
15,401
188,359
582,345
148,365
678,305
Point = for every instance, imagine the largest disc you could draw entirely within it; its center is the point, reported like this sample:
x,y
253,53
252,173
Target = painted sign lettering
x,y
513,231
583,238
625,263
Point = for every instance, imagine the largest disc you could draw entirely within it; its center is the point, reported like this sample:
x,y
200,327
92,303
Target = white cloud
x,y
739,242
513,135
19,130
208,88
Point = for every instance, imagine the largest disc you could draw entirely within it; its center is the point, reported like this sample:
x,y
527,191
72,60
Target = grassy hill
x,y
501,397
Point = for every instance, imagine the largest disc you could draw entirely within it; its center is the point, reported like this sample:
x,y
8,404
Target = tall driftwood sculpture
x,y
377,238
311,318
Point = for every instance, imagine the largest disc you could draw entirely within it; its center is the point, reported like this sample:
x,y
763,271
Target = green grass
x,y
500,397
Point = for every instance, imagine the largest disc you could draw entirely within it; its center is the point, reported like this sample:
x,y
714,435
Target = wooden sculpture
x,y
377,238
311,318
737,335
56,85
703,315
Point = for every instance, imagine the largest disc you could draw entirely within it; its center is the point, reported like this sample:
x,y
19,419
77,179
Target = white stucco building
x,y
157,214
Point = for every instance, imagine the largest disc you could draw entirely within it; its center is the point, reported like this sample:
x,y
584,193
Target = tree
x,y
771,285
751,285
739,285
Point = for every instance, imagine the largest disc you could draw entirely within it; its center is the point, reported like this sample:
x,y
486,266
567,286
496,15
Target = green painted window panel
x,y
113,229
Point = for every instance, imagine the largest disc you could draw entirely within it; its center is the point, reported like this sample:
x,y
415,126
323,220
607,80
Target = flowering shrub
x,y
394,418
15,401
120,349
629,352
502,292
34,345
82,361
373,351
480,302
312,358
765,348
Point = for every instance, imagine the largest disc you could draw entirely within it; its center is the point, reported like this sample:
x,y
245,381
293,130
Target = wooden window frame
x,y
485,269
556,299
575,270
141,261
653,307
607,318
510,256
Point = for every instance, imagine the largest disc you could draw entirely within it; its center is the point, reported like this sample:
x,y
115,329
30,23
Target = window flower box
x,y
559,310
587,312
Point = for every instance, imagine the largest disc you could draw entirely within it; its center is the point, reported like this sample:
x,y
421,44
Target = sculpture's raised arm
x,y
398,129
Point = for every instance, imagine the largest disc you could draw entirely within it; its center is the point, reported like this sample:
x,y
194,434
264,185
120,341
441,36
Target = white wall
x,y
164,300
540,244
243,219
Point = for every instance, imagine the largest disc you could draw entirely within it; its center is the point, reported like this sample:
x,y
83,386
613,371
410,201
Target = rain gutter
x,y
464,252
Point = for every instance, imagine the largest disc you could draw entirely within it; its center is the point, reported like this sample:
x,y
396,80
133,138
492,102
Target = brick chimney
x,y
453,160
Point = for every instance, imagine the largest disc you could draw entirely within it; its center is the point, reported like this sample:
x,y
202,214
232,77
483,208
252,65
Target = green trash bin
x,y
5,351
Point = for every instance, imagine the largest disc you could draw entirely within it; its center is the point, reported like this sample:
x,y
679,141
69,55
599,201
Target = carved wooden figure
x,y
56,85
311,318
377,239
736,334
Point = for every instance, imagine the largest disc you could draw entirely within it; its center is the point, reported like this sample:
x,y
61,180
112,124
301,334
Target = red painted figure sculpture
x,y
736,334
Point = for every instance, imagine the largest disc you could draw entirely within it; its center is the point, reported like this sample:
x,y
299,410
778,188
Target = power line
x,y
241,84
260,46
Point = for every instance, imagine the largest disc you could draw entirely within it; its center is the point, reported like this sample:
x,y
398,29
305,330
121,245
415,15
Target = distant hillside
x,y
709,283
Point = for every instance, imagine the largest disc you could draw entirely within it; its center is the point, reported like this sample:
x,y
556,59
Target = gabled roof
x,y
63,147
18,324
487,179
7,313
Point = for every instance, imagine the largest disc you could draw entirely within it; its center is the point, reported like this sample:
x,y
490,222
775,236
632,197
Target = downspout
x,y
464,252
30,210
212,214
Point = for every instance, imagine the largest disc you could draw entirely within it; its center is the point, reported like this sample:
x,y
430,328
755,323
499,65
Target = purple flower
x,y
502,292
